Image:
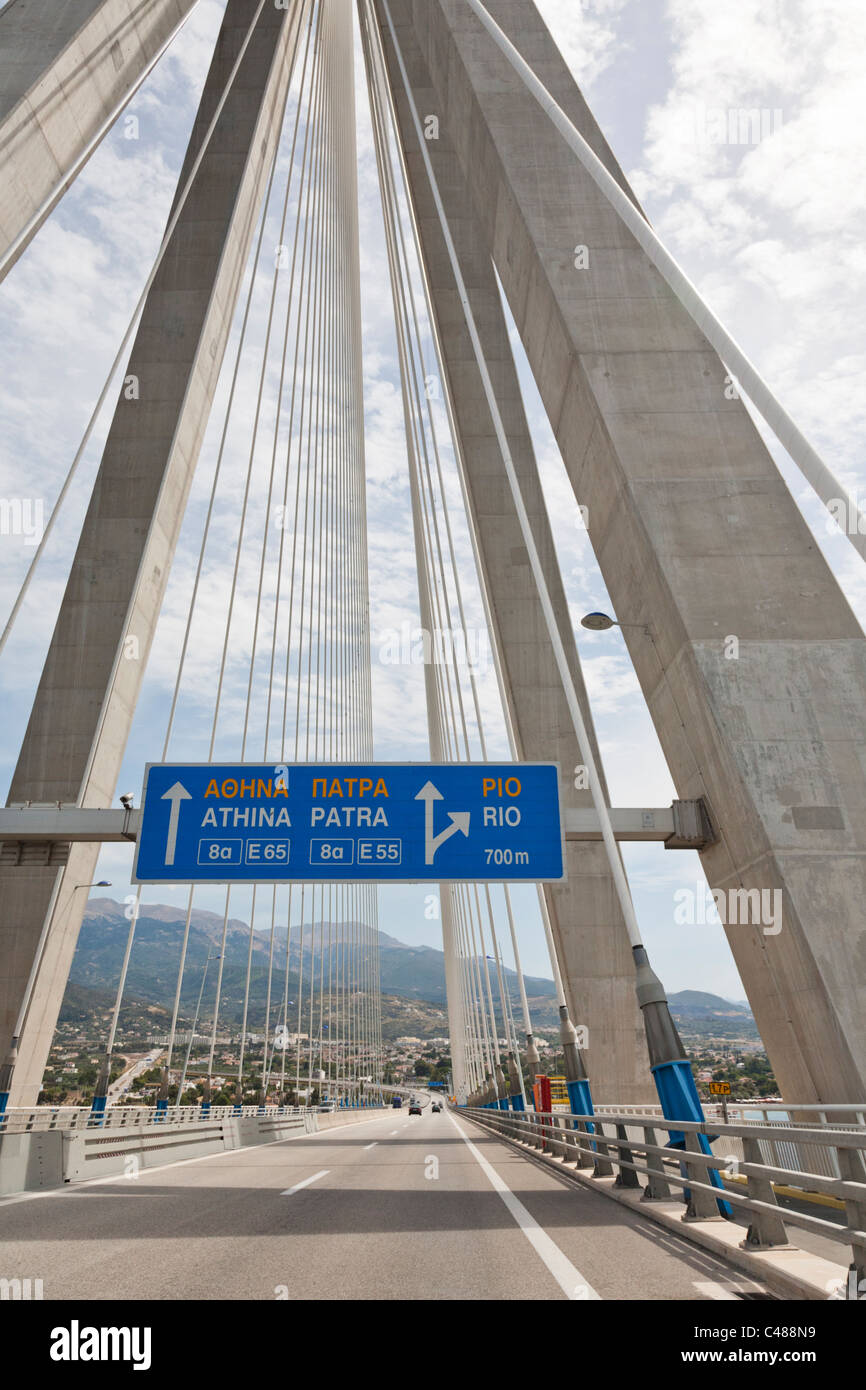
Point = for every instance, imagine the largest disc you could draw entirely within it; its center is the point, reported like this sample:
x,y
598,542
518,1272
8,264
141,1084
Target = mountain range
x,y
410,973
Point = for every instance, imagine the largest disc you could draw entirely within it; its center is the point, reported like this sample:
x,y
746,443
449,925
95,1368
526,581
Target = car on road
x,y
327,1107
415,1108
436,1109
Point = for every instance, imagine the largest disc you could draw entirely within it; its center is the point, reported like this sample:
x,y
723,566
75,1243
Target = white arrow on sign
x,y
459,821
175,795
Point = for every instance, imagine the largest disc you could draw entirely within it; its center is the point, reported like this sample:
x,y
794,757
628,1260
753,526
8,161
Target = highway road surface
x,y
119,1087
395,1207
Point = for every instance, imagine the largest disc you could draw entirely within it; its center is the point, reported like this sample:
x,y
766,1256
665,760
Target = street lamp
x,y
669,1064
600,622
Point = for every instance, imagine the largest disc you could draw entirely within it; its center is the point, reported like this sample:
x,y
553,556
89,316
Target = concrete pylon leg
x,y
64,69
749,657
589,932
86,698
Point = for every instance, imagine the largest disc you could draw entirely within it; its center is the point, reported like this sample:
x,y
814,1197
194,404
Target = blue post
x,y
161,1108
503,1103
4,1101
97,1110
205,1107
580,1099
517,1102
670,1067
680,1101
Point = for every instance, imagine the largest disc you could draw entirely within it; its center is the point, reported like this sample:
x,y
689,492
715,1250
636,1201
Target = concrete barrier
x,y
30,1161
98,1153
50,1158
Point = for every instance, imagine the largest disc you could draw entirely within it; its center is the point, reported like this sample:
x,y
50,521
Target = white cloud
x,y
772,231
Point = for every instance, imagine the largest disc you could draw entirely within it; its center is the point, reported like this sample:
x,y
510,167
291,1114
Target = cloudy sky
x,y
770,232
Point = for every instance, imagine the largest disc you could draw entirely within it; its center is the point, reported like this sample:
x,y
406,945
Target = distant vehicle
x,y
327,1107
436,1109
414,1108
397,1102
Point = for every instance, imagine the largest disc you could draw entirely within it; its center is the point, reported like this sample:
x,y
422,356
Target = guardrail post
x,y
765,1228
852,1167
602,1166
702,1206
626,1177
559,1145
569,1141
657,1188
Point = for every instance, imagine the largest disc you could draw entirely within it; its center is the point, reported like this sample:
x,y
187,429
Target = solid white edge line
x,y
569,1279
289,1191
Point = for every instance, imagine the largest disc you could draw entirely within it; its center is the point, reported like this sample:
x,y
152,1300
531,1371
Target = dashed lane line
x,y
290,1191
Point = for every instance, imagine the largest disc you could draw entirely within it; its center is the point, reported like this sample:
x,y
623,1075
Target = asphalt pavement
x,y
394,1207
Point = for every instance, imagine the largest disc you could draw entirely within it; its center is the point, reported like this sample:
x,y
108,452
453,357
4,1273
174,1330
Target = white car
x,y
327,1107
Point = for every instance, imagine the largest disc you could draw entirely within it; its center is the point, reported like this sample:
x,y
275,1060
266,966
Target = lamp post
x,y
670,1067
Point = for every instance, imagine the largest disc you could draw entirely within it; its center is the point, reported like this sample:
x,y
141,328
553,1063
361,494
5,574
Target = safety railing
x,y
20,1121
784,1147
620,1145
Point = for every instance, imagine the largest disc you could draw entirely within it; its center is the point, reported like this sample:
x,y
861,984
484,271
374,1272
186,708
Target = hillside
x,y
409,972
412,977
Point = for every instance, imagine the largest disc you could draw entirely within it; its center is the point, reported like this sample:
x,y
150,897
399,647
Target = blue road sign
x,y
341,822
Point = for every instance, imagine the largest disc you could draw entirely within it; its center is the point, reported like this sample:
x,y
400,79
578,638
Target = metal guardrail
x,y
602,1143
78,1117
785,1148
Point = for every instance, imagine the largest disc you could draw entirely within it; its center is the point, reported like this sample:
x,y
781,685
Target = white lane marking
x,y
569,1279
306,1183
371,1146
394,1131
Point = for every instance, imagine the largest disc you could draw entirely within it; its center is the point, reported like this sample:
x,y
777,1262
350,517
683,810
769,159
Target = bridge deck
x,y
365,1221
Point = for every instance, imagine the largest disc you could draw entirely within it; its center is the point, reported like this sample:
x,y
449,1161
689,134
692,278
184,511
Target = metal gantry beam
x,y
684,825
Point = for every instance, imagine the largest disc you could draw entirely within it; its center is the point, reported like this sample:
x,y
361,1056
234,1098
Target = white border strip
x,y
569,1279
